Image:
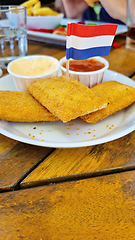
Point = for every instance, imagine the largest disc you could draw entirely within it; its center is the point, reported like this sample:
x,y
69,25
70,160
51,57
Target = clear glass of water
x,y
13,33
130,38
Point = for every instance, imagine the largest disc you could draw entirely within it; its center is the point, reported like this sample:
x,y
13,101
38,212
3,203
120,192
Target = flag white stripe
x,y
84,43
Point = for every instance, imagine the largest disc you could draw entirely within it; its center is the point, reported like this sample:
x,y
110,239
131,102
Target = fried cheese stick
x,y
66,99
118,96
22,107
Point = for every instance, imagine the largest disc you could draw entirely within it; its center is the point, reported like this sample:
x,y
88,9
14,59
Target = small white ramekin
x,y
22,82
89,79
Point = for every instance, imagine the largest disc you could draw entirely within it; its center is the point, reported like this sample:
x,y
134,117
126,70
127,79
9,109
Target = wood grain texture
x,y
16,161
97,208
45,49
76,162
122,61
133,77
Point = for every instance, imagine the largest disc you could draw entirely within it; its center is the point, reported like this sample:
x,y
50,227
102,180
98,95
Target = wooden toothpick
x,y
67,70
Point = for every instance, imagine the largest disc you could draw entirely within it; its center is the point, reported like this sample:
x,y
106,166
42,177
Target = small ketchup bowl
x,y
89,72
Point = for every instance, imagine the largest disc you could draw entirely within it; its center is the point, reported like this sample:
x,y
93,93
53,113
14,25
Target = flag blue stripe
x,y
78,54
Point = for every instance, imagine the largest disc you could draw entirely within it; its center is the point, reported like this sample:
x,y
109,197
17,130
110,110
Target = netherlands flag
x,y
85,41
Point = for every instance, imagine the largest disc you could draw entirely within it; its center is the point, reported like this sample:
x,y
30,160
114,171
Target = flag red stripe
x,y
81,30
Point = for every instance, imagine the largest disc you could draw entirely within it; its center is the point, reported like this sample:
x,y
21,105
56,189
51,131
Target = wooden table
x,y
73,193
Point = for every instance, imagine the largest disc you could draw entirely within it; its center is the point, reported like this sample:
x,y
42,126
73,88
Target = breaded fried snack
x,y
66,99
22,107
118,96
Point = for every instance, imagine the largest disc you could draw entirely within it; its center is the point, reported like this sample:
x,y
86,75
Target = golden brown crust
x,y
66,99
118,96
22,107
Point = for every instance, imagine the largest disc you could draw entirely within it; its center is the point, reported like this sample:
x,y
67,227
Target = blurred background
x,y
18,2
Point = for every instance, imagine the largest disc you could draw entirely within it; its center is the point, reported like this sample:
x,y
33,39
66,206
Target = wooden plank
x,y
122,60
34,48
88,161
120,39
44,49
17,160
133,77
97,208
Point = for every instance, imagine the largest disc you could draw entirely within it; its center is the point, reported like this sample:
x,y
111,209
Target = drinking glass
x,y
13,33
130,38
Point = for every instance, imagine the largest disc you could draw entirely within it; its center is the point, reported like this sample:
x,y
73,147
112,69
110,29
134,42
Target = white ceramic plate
x,y
61,40
76,133
1,72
